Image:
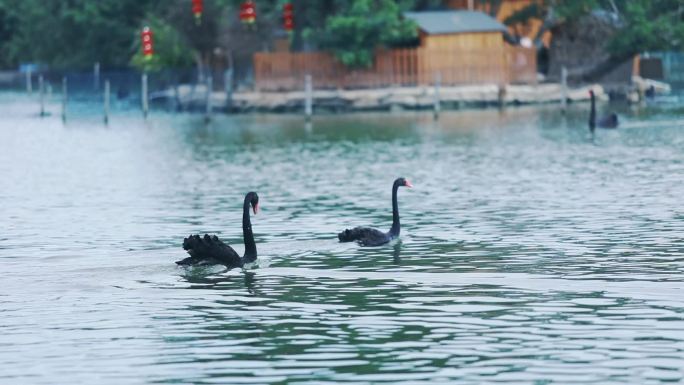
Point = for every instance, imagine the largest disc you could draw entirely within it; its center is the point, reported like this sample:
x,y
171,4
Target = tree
x,y
640,25
649,25
354,29
171,49
72,34
643,24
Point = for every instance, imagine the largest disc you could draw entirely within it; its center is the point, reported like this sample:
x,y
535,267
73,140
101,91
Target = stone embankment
x,y
380,99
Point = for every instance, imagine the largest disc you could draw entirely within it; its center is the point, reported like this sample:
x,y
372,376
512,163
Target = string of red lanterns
x,y
288,17
248,12
197,8
147,42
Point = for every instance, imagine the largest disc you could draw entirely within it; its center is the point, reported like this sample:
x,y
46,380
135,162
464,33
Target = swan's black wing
x,y
209,251
608,121
365,236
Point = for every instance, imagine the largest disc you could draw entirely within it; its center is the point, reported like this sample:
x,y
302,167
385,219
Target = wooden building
x,y
456,47
461,46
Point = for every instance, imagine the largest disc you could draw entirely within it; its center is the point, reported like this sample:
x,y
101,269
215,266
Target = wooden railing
x,y
399,67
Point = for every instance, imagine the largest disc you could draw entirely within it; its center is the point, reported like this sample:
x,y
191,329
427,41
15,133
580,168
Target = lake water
x,y
530,251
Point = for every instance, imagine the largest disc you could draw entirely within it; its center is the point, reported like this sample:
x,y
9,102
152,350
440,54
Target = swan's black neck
x,y
396,226
248,236
592,114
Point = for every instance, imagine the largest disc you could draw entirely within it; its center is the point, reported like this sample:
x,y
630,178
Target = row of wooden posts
x,y
308,91
308,101
106,96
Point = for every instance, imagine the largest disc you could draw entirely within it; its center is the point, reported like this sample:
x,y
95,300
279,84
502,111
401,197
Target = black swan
x,y
606,121
209,250
367,236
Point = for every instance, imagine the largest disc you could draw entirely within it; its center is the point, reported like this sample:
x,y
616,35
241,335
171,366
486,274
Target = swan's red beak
x,y
255,208
408,184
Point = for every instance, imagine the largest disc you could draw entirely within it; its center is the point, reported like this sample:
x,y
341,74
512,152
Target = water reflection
x,y
530,251
396,253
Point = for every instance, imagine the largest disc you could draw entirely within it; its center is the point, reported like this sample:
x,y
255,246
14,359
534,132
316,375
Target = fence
x,y
112,91
403,67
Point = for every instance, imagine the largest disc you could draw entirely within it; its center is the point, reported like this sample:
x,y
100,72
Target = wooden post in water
x,y
145,105
308,97
106,102
436,100
564,89
228,87
64,98
96,76
29,82
210,87
501,96
41,87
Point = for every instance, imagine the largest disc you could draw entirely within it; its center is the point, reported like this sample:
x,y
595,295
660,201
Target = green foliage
x,y
73,33
171,49
572,9
76,33
650,25
358,27
643,25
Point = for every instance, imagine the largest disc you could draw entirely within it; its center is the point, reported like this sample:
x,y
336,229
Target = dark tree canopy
x,y
76,33
644,25
72,34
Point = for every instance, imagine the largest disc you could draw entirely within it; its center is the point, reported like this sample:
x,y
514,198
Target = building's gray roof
x,y
445,22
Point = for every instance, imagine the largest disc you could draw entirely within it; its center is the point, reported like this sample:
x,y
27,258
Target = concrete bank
x,y
397,98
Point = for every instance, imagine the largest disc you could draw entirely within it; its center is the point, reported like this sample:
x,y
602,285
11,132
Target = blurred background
x,y
231,47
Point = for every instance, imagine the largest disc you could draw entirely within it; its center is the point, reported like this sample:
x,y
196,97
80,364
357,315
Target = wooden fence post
x,y
41,87
436,101
29,82
106,102
564,89
210,86
228,87
145,104
64,98
501,95
96,76
308,101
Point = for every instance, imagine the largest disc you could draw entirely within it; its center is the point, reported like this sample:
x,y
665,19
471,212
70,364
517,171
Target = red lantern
x,y
197,8
247,12
147,43
288,17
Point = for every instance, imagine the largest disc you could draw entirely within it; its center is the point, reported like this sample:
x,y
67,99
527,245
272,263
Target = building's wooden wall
x,y
478,40
399,67
463,58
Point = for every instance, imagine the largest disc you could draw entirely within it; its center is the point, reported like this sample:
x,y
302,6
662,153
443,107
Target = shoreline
x,y
379,99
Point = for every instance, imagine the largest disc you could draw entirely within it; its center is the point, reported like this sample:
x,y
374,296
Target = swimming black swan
x,y
607,121
209,250
367,236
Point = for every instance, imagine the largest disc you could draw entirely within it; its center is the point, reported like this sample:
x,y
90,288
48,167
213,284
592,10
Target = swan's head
x,y
403,182
253,200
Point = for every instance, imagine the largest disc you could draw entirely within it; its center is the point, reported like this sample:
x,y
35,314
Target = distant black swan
x,y
209,250
606,121
367,236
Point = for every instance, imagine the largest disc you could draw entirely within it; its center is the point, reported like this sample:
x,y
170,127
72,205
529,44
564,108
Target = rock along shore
x,y
392,98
